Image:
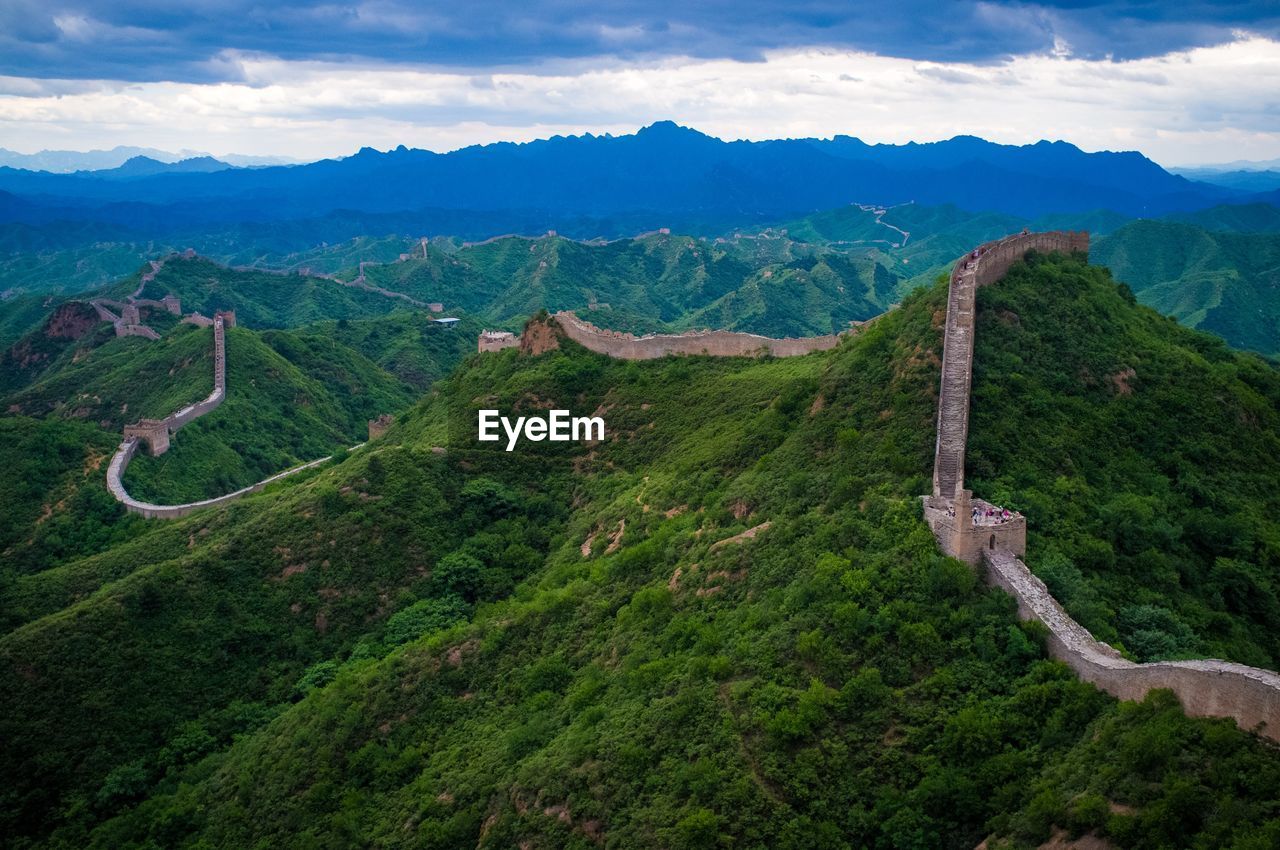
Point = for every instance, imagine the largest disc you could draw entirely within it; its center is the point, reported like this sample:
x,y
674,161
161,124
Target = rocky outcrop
x,y
71,320
1208,688
496,341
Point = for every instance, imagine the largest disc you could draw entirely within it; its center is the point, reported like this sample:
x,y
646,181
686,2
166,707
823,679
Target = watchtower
x,y
153,432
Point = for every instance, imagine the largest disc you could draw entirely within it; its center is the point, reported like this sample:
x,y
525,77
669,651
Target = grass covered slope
x,y
1146,456
122,379
725,624
653,282
406,344
261,299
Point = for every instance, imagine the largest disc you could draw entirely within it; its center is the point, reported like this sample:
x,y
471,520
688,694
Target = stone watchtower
x,y
153,432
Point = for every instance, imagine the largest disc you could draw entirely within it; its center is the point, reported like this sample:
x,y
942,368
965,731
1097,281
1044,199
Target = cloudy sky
x,y
1184,82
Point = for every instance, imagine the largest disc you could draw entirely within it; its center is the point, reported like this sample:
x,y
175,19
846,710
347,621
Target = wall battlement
x,y
1209,688
625,346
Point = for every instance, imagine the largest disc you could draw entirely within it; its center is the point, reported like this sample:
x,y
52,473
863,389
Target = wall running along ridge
x,y
625,346
1209,688
154,431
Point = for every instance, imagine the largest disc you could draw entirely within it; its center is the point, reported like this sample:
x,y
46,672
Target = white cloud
x,y
1206,104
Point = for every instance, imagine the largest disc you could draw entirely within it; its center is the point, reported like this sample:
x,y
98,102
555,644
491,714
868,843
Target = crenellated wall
x,y
625,346
1208,688
156,433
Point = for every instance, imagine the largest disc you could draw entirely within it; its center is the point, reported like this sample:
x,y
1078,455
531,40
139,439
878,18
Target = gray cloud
x,y
143,40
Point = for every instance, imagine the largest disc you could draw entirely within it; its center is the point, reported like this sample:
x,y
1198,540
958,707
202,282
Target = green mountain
x,y
290,399
1237,218
1146,456
1226,283
724,624
261,299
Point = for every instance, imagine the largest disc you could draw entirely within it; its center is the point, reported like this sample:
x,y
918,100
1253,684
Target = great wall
x,y
972,530
966,528
625,346
1207,688
156,433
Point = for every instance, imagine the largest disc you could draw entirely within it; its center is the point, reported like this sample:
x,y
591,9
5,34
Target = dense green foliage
x,y
293,396
653,282
121,378
56,506
1217,281
1146,456
573,644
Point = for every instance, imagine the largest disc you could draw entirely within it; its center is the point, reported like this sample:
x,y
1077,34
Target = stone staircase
x,y
953,398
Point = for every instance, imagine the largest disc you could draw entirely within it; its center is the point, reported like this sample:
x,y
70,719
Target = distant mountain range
x,y
586,186
66,162
1244,179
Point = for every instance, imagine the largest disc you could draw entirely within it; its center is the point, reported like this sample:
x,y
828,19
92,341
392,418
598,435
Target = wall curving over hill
x,y
625,346
1208,688
156,433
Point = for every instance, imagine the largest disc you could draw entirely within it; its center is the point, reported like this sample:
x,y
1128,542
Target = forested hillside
x,y
726,624
1224,282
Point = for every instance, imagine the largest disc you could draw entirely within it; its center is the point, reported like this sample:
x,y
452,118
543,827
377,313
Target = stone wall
x,y
153,432
125,329
985,265
170,304
115,472
157,431
952,522
625,346
1209,688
